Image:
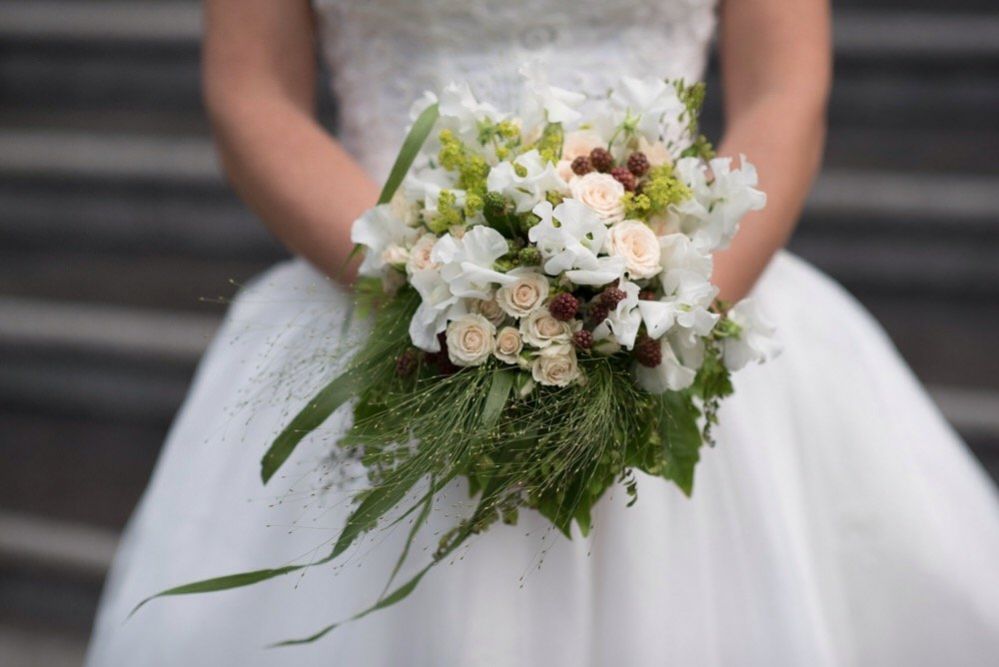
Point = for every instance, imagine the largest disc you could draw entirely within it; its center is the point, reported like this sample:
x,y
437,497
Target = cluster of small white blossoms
x,y
537,237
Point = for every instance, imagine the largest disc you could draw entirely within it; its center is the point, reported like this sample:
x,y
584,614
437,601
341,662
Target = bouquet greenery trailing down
x,y
544,324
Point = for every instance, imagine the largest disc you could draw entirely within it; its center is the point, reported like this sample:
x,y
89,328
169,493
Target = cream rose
x,y
602,193
637,245
656,152
470,340
579,143
555,366
419,254
490,310
540,329
524,296
508,345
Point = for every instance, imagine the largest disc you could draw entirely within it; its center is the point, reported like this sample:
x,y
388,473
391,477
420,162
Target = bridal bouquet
x,y
544,322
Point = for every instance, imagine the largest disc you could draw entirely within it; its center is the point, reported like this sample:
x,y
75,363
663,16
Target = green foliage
x,y
550,143
660,190
471,166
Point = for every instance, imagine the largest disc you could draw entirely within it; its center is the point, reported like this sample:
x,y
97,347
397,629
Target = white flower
x,y
649,103
461,112
756,340
602,193
688,295
637,245
573,244
437,307
711,217
624,321
467,263
377,229
525,295
489,309
682,356
508,345
419,254
526,191
470,340
555,366
540,329
542,102
677,251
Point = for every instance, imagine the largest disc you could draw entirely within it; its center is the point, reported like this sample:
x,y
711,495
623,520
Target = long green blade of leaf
x,y
499,391
411,146
331,397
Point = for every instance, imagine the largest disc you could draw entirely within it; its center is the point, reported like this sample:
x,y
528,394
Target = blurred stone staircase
x,y
115,224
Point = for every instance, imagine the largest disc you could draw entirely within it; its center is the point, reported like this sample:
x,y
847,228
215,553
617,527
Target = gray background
x,y
115,225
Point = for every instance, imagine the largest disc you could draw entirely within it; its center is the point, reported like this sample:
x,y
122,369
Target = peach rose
x,y
602,193
637,245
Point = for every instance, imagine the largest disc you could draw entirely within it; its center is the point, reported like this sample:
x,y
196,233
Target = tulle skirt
x,y
838,521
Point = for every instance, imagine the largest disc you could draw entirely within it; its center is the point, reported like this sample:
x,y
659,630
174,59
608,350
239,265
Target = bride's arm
x,y
259,79
776,71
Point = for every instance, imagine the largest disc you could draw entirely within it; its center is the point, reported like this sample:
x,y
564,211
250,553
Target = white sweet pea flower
x,y
647,102
711,216
572,247
526,191
378,230
677,251
542,102
461,112
437,307
624,321
756,340
467,263
682,356
688,295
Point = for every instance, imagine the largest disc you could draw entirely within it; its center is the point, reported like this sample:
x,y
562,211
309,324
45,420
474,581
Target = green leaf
x,y
682,438
375,504
499,391
411,146
223,583
331,397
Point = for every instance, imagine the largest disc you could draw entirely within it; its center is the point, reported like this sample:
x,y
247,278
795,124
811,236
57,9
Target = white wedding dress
x,y
839,521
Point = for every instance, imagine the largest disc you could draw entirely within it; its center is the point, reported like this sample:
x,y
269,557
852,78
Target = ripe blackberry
x,y
581,165
598,313
612,296
625,178
406,362
583,339
647,295
601,159
563,307
648,352
638,164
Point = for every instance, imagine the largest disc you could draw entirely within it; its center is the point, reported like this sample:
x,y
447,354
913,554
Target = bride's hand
x,y
259,86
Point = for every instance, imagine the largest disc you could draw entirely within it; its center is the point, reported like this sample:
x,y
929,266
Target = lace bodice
x,y
384,54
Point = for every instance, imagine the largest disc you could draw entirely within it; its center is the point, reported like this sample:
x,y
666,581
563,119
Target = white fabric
x,y
839,521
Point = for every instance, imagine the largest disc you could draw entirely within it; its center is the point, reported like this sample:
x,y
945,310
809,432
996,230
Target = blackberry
x,y
647,295
598,313
638,164
625,178
648,352
581,165
563,307
612,296
583,339
406,363
601,159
